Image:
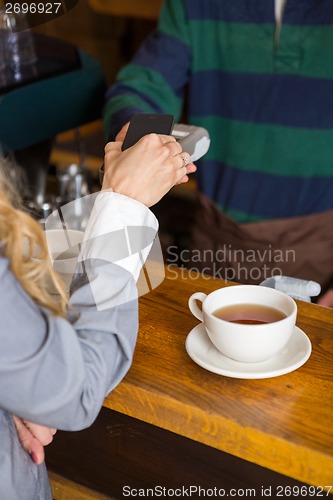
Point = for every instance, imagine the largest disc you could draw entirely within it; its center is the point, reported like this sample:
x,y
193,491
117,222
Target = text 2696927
x,y
33,7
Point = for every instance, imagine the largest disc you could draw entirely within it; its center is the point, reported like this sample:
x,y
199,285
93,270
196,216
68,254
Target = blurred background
x,y
105,34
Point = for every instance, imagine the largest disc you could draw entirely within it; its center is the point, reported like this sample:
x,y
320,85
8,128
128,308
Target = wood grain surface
x,y
282,423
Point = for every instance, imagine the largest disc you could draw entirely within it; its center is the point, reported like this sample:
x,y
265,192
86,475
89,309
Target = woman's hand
x,y
121,134
147,170
33,438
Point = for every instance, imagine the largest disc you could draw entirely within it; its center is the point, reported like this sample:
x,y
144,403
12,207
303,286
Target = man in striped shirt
x,y
258,75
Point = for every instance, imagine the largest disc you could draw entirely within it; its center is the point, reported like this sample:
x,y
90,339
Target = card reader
x,y
194,140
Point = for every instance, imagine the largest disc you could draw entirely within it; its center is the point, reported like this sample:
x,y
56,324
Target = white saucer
x,y
204,353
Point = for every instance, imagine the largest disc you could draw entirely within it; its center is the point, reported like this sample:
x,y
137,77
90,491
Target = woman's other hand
x,y
33,438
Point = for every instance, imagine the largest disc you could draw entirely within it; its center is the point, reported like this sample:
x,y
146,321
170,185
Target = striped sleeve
x,y
153,82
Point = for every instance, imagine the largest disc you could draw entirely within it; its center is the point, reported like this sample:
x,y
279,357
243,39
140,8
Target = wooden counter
x,y
284,424
262,438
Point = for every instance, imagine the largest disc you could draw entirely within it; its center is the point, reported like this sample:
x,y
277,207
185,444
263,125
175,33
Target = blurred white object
x,y
2,42
19,48
294,287
73,183
194,140
64,248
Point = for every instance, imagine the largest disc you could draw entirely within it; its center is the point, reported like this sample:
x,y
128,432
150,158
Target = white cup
x,y
248,343
64,249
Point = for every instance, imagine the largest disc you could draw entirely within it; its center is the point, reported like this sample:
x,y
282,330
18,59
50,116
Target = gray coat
x,y
56,372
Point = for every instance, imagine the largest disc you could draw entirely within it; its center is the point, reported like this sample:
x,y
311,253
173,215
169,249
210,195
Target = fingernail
x,y
34,457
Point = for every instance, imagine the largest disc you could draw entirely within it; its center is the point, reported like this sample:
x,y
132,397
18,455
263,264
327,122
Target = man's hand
x,y
33,438
327,299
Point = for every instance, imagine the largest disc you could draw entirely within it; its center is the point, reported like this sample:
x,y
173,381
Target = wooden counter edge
x,y
279,455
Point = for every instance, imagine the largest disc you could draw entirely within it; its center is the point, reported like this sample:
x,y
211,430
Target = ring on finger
x,y
185,160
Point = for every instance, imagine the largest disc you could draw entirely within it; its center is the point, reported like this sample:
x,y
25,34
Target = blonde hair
x,y
23,242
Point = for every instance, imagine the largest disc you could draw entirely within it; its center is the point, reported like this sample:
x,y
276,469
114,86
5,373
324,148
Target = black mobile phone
x,y
143,124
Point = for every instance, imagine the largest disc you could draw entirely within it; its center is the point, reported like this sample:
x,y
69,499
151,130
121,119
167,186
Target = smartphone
x,y
143,124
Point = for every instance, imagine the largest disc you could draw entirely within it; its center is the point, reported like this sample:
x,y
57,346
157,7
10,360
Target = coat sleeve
x,y
57,371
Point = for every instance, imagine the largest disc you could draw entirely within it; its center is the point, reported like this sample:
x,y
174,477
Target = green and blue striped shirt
x,y
265,96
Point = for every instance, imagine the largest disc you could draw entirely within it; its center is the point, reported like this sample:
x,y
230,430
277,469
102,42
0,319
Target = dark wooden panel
x,y
119,451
